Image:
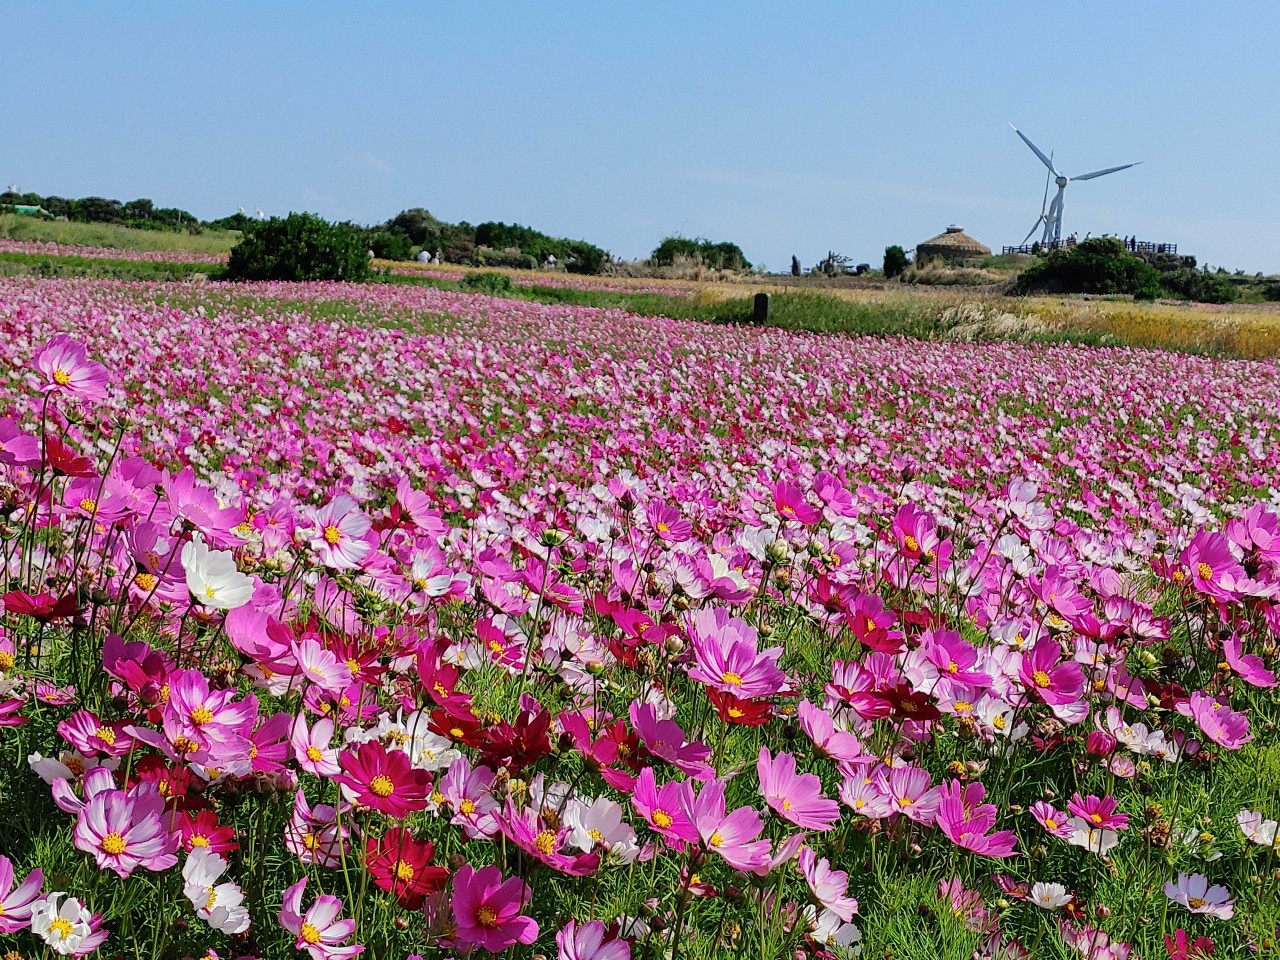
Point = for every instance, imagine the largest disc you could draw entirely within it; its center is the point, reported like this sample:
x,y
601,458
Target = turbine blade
x,y
1103,173
1048,178
1036,150
1038,224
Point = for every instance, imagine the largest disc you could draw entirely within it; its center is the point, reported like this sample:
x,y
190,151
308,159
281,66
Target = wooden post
x,y
760,309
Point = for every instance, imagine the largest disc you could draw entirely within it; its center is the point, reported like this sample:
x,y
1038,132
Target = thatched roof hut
x,y
953,246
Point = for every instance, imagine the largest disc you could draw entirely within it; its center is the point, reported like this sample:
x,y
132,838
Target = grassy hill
x,y
13,227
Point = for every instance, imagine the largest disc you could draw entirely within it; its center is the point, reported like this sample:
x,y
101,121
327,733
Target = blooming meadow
x,y
396,621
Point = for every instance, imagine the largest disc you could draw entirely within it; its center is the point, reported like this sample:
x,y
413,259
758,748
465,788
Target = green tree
x,y
301,246
895,261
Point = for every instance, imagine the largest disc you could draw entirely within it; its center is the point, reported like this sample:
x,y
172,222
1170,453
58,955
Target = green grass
x,y
43,265
14,227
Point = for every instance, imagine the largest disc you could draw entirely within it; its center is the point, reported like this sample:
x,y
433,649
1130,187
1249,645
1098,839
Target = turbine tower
x,y
1052,218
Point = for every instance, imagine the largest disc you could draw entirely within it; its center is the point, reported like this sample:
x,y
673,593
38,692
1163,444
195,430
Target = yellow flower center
x,y
467,807
106,735
953,667
786,804
404,871
61,926
662,527
1205,571
6,660
61,377
201,715
486,917
912,543
662,818
311,841
146,581
314,754
1095,817
332,535
353,665
310,934
213,899
1050,823
962,706
382,786
596,835
113,845
716,840
1195,903
183,746
545,842
89,505
1041,678
731,678
199,840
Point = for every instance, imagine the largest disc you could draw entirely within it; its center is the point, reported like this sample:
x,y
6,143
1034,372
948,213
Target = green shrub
x,y
1101,265
389,246
300,246
715,256
490,282
895,261
1199,286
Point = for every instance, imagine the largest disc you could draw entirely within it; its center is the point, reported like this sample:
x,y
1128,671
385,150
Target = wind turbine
x,y
1052,218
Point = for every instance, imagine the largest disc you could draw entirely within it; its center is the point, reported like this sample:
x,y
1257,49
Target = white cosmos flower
x,y
1050,896
63,927
1260,831
212,577
221,905
1093,838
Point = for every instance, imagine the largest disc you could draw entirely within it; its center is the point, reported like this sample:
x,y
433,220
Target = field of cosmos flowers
x,y
390,620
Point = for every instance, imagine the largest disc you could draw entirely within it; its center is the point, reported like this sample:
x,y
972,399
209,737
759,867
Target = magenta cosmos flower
x,y
15,902
1048,679
384,780
67,369
1098,811
487,910
666,808
797,798
125,830
318,930
967,821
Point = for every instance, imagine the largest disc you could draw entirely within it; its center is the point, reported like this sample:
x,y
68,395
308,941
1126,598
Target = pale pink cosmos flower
x,y
1224,726
911,794
1195,893
828,886
726,657
731,835
827,738
339,541
318,930
587,942
125,830
311,747
65,365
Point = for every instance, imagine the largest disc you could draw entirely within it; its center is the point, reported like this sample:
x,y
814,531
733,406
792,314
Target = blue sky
x,y
786,127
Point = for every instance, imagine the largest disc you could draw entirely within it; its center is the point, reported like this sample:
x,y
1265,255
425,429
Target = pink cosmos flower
x,y
320,666
385,780
666,809
821,729
829,887
318,931
1214,569
1048,679
966,820
726,658
529,831
1099,812
91,736
488,911
66,367
733,836
339,543
586,942
795,798
311,747
196,717
15,902
667,522
1056,822
1249,666
953,658
125,830
17,448
864,793
1194,893
910,793
1224,726
469,792
314,835
666,740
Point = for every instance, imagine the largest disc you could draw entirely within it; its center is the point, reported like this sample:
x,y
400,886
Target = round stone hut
x,y
953,246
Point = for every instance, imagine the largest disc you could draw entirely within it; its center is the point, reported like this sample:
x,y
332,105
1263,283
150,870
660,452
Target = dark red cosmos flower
x,y
747,713
614,746
401,865
459,727
203,830
65,461
908,704
520,744
44,607
440,680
